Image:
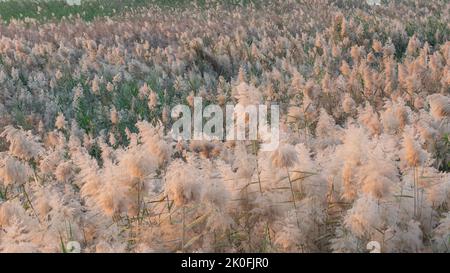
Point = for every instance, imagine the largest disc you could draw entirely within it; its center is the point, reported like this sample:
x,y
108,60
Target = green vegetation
x,y
57,9
90,9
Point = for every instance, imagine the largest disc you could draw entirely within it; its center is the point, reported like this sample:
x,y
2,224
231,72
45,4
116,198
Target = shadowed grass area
x,y
89,9
57,9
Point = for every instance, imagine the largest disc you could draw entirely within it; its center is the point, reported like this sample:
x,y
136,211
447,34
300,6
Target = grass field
x,y
90,9
89,100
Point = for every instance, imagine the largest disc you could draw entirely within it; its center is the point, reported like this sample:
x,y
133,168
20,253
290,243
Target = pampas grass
x,y
86,153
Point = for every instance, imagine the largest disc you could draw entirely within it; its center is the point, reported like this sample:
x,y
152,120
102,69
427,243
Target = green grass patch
x,y
88,10
57,9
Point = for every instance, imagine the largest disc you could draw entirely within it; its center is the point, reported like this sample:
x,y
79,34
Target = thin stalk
x,y
293,196
268,234
415,192
291,188
255,150
29,201
168,208
140,202
183,235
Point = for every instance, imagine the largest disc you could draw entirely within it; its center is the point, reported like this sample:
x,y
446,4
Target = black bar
x,y
235,262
